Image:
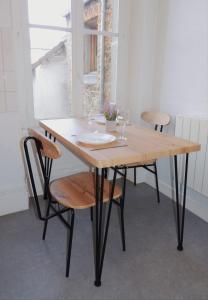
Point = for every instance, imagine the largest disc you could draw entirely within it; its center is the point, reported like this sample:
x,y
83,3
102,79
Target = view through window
x,y
51,55
100,53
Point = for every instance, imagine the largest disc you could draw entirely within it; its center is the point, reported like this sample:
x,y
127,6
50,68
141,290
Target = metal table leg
x,y
180,211
99,241
98,212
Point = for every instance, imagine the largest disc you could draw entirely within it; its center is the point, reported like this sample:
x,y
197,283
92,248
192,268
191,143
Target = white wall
x,y
181,62
141,54
169,69
13,196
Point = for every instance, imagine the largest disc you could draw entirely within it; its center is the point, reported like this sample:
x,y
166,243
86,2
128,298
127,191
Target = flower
x,y
110,111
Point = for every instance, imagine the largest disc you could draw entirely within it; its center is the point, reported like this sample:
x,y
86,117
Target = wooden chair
x,y
158,120
64,194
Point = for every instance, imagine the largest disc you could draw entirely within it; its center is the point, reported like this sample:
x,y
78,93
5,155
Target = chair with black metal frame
x,y
158,120
65,194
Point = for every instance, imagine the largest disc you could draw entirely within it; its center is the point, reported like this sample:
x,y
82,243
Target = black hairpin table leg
x,y
98,212
99,241
180,211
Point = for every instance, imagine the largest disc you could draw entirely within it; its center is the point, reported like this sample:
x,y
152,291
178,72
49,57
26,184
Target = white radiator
x,y
196,130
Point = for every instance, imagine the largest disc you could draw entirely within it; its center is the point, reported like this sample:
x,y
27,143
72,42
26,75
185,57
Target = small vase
x,y
110,125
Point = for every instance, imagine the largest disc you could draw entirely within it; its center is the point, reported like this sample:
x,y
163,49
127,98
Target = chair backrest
x,y
157,119
48,147
44,147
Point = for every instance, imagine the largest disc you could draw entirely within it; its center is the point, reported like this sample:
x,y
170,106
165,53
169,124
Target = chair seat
x,y
147,162
78,191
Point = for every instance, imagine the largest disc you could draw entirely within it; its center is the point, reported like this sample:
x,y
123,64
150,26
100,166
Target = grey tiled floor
x,y
151,268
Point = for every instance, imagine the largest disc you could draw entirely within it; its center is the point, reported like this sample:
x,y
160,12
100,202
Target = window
x,y
59,58
100,53
50,37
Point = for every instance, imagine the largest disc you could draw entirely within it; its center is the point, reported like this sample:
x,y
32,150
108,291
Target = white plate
x,y
96,138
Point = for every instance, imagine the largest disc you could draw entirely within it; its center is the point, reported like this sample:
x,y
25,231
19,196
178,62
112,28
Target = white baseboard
x,y
13,200
198,207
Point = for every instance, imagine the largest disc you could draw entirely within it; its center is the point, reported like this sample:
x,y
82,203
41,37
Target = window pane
x,y
101,15
51,73
49,12
100,72
42,41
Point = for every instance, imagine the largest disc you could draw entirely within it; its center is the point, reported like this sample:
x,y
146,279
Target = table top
x,y
143,144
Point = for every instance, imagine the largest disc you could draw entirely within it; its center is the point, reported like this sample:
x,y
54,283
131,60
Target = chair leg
x,y
91,214
70,236
156,182
135,177
46,218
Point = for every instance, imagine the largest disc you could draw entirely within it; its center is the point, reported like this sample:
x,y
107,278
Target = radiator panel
x,y
195,130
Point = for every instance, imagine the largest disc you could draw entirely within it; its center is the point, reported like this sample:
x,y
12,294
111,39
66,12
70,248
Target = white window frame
x,y
78,31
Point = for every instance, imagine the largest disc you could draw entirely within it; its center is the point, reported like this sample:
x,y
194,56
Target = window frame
x,y
78,30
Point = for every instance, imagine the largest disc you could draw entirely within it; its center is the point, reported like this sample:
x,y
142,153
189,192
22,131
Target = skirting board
x,y
198,207
13,200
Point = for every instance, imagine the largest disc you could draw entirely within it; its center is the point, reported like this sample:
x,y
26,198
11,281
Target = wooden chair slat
x,y
49,148
78,191
155,118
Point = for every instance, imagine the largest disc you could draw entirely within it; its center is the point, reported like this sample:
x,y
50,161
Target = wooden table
x,y
142,144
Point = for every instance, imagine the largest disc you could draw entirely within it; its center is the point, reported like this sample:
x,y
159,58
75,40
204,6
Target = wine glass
x,y
122,121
